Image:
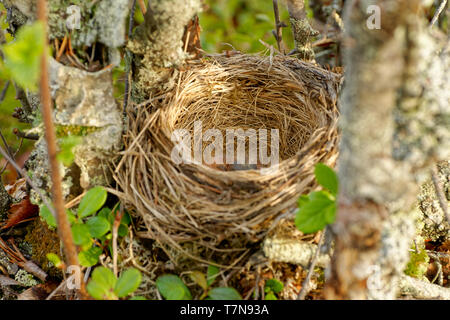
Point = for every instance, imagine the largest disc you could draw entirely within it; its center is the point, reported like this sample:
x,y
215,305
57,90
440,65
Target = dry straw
x,y
207,204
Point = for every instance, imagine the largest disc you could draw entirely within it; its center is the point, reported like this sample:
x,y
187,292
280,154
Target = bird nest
x,y
181,198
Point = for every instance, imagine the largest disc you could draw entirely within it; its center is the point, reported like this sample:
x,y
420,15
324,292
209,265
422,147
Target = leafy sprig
x,y
318,209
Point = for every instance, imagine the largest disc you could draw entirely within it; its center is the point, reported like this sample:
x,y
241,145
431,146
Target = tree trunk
x,y
379,169
157,47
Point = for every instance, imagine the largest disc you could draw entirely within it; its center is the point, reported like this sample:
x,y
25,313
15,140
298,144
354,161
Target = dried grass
x,y
207,204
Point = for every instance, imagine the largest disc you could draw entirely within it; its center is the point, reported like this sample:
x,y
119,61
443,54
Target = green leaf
x,y
102,283
199,278
302,200
271,296
224,294
81,234
71,216
93,200
126,219
137,298
128,282
317,213
326,177
122,231
66,145
98,226
105,213
172,287
273,285
22,56
48,217
89,257
53,258
212,274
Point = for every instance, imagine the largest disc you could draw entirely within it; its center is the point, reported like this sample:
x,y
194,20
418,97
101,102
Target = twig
x,y
278,30
4,90
27,178
115,232
64,230
127,75
440,194
438,12
7,148
24,135
305,285
142,6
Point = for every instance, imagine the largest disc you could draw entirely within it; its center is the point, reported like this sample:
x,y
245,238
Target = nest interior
x,y
209,203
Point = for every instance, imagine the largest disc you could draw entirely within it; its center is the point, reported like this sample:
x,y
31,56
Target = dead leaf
x,y
20,212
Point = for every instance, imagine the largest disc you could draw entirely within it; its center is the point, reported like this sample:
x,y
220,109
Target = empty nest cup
x,y
206,201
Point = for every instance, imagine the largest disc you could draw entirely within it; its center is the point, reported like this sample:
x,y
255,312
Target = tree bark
x,y
377,186
157,46
302,30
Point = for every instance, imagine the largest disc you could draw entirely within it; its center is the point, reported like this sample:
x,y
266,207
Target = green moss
x,y
81,131
43,241
418,263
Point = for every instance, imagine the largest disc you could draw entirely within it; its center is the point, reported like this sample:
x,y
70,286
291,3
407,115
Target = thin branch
x,y
305,286
440,194
127,75
64,230
29,181
8,150
278,30
438,12
142,6
115,232
4,91
24,135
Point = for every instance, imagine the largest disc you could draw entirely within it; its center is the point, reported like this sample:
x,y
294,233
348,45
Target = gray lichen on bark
x,y
379,72
422,114
301,29
157,46
101,21
434,224
82,99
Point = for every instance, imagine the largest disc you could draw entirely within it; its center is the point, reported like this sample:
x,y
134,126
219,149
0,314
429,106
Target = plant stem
x,y
305,286
64,230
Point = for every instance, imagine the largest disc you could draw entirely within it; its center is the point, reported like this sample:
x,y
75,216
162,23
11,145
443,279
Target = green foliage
x,y
172,287
128,282
241,23
22,56
224,294
273,287
92,202
418,263
66,146
212,274
91,231
48,217
53,258
318,209
326,177
89,257
105,286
